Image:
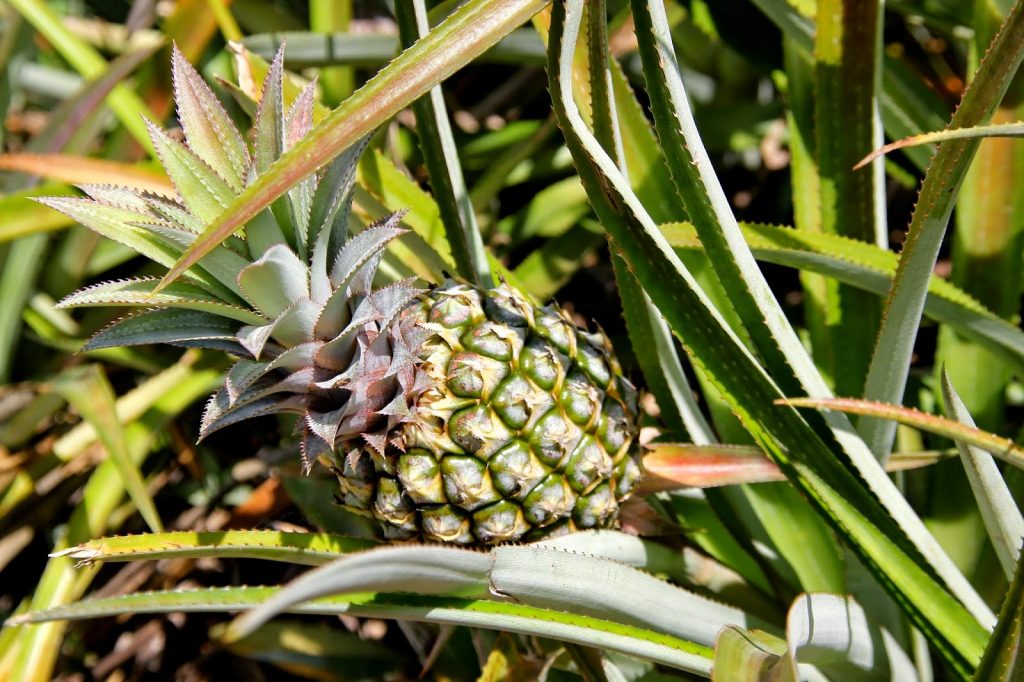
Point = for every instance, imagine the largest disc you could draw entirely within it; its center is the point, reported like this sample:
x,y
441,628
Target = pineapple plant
x,y
449,413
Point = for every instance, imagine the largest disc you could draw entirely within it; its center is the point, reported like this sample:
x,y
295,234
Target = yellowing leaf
x,y
85,170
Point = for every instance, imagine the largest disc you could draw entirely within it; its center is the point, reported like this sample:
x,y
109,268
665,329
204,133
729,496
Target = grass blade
x,y
78,170
89,392
126,105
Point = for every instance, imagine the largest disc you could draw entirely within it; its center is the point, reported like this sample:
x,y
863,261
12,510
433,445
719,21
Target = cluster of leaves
x,y
773,541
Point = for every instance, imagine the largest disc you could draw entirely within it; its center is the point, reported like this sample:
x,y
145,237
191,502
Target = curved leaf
x,y
594,632
312,549
994,130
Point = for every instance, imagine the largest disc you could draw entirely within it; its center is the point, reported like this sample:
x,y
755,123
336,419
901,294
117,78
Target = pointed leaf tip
x,y
208,129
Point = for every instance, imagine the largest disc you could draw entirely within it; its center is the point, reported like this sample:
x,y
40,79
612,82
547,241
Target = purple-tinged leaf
x,y
204,192
139,292
466,33
208,129
274,282
164,325
213,420
364,248
1003,448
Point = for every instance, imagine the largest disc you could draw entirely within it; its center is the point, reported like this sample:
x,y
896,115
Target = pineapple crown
x,y
292,296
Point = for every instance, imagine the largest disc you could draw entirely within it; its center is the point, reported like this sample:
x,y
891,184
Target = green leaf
x,y
203,191
843,499
174,326
140,292
532,575
88,391
466,33
210,132
1002,661
870,268
999,510
633,641
312,549
218,273
441,157
890,363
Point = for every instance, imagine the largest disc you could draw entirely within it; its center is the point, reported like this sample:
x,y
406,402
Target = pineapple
x,y
448,414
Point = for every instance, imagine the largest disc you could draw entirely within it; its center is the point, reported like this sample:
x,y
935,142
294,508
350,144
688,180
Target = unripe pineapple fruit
x,y
449,414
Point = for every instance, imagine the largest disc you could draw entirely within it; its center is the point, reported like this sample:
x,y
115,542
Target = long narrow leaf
x,y
890,363
584,630
532,575
999,510
994,130
441,158
1004,448
870,268
1003,661
89,392
312,549
832,486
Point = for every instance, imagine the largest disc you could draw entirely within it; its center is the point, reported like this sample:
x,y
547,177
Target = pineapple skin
x,y
527,428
